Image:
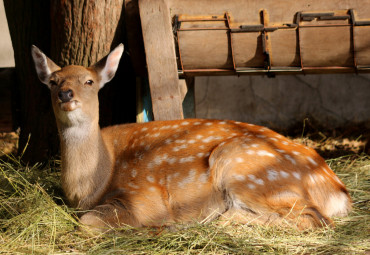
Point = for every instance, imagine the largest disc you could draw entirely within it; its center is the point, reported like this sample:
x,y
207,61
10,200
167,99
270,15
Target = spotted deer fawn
x,y
164,172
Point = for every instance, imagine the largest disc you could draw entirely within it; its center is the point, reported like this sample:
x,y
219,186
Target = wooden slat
x,y
161,59
323,46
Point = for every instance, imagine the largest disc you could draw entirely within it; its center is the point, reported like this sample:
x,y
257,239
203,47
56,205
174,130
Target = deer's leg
x,y
290,209
263,185
111,215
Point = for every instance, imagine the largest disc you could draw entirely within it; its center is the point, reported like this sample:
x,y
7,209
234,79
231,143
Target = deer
x,y
162,173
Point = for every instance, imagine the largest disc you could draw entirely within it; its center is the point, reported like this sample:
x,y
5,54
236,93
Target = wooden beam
x,y
161,59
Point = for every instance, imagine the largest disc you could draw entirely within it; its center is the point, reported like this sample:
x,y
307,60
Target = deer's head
x,y
74,89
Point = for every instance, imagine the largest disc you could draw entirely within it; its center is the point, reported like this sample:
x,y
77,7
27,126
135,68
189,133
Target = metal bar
x,y
363,23
318,14
178,46
352,19
329,68
327,25
344,17
202,28
231,40
200,20
298,17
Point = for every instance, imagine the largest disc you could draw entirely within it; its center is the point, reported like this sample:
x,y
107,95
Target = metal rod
x,y
199,20
231,40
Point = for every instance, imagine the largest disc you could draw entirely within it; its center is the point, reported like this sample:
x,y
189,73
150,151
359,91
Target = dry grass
x,y
35,220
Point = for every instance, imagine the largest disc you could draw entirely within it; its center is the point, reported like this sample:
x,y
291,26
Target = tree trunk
x,y
29,23
70,32
85,31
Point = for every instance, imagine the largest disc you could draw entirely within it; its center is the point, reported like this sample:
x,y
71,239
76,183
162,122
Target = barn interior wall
x,y
330,100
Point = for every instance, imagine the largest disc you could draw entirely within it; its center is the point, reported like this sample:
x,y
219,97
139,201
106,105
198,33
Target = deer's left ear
x,y
107,67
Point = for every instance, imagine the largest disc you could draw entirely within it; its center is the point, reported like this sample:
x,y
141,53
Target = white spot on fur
x,y
188,179
208,139
250,152
133,173
222,122
203,178
209,124
285,142
239,160
296,153
150,178
251,177
196,123
280,151
292,160
261,136
152,189
171,161
177,148
251,186
168,141
272,175
265,153
259,181
312,178
297,175
187,159
144,129
284,174
130,184
184,123
200,154
239,177
191,141
199,137
313,162
273,139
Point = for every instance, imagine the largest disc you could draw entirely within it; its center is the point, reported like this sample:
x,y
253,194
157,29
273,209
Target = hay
x,y
34,220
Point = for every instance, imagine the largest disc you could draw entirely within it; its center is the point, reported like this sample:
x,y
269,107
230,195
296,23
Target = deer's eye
x,y
52,83
89,82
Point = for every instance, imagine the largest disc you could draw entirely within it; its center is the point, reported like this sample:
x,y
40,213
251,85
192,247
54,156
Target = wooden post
x,y
160,59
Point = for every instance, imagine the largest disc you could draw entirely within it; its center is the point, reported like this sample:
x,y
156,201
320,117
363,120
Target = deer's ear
x,y
107,67
44,66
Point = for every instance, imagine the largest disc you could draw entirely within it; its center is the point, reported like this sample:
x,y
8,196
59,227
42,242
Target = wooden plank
x,y
161,59
323,46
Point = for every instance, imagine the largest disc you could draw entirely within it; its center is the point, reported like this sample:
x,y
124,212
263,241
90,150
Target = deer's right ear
x,y
107,66
44,66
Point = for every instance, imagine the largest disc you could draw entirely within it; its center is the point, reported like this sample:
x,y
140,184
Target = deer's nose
x,y
65,96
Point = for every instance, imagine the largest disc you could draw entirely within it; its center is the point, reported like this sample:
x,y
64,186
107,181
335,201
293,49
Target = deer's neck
x,y
86,163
